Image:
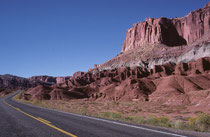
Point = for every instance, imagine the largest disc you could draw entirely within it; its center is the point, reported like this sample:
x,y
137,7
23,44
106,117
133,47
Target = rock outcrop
x,y
170,32
13,82
130,84
62,79
9,83
48,79
162,40
159,55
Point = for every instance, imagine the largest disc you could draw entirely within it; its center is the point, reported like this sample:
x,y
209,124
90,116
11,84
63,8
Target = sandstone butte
x,y
158,41
171,32
162,60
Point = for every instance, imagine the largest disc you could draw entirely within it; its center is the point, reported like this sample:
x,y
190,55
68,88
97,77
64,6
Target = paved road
x,y
21,120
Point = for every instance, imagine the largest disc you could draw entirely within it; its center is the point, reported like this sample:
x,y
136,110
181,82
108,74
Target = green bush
x,y
129,118
106,114
152,120
164,121
159,121
203,122
200,123
116,115
111,115
140,120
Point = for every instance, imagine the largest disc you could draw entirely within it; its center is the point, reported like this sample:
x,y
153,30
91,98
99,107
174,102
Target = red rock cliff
x,y
171,32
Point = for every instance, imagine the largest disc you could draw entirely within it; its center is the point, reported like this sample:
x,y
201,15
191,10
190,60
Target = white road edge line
x,y
113,122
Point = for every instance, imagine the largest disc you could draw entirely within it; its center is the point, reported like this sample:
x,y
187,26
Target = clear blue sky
x,y
60,37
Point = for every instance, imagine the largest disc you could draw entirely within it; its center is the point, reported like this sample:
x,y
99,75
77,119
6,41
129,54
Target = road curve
x,y
22,120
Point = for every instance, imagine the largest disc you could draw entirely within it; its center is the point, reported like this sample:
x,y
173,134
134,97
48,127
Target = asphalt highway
x,y
23,120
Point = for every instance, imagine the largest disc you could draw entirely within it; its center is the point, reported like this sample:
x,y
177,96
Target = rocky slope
x,y
162,83
10,82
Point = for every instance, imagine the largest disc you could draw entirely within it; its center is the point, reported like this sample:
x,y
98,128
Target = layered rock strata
x,y
170,32
130,84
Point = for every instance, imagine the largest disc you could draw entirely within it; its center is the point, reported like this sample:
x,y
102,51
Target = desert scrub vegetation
x,y
200,123
159,121
34,102
83,111
124,112
151,120
179,124
17,97
111,115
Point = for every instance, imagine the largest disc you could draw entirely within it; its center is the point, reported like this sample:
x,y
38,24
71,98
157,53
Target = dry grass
x,y
136,112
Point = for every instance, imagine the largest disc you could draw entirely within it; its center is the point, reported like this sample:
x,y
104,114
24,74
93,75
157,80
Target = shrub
x,y
164,121
84,111
140,120
152,120
106,114
203,122
192,122
129,118
159,121
179,124
111,115
200,123
116,115
36,101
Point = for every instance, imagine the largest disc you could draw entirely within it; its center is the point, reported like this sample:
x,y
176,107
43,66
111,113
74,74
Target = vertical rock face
x,y
171,32
194,25
13,82
61,79
48,79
